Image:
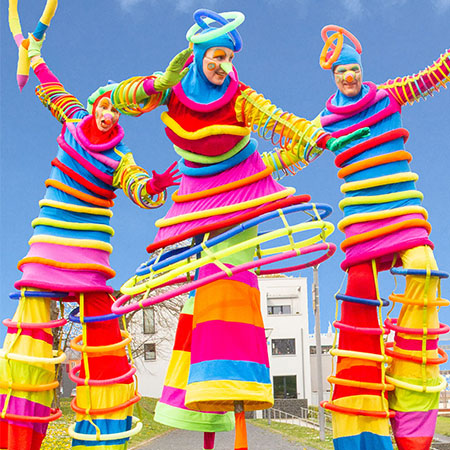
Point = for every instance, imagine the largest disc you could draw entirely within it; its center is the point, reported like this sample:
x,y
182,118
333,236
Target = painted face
x,y
212,61
106,115
348,79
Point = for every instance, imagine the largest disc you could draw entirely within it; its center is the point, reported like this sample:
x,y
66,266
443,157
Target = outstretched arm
x,y
138,95
51,92
414,87
146,191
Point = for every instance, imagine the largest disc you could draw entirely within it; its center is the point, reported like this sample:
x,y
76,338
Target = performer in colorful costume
x,y
225,182
68,259
385,227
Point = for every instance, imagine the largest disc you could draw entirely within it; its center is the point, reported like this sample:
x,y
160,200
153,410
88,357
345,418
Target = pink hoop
x,y
353,329
119,379
51,324
391,324
344,32
118,308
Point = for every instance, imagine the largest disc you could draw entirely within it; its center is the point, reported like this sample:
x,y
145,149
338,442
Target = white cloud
x,y
353,7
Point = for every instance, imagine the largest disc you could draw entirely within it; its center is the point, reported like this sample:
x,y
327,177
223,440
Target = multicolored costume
x,y
385,226
69,259
225,183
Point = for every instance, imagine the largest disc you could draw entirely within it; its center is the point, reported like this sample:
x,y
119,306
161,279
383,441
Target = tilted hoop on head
x,y
98,93
339,34
227,27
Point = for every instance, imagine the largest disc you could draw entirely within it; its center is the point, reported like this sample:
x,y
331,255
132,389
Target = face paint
x,y
217,64
348,79
106,115
211,66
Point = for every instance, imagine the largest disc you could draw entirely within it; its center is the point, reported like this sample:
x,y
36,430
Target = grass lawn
x,y
58,438
443,425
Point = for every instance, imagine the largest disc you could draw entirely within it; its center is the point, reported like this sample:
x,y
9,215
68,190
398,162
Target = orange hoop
x,y
342,31
327,63
357,412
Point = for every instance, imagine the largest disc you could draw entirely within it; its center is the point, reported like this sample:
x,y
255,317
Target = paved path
x,y
258,439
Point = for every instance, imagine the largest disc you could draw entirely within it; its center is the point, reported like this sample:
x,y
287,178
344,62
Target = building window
x,y
149,320
285,386
149,352
325,349
283,346
279,309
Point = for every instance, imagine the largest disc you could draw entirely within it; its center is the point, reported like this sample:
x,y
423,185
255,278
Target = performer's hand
x,y
159,182
34,48
336,144
174,72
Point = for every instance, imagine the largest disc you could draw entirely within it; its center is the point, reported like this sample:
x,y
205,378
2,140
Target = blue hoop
x,y
198,17
89,319
423,272
191,251
363,301
19,295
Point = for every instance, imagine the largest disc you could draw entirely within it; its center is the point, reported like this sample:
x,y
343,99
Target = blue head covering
x,y
348,55
195,84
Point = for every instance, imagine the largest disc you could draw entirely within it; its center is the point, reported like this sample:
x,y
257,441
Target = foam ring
x,y
106,437
359,355
420,272
400,298
29,387
360,384
358,412
90,319
33,359
35,419
100,348
415,387
428,361
19,295
342,31
363,301
391,324
91,382
365,330
34,325
227,27
327,63
96,412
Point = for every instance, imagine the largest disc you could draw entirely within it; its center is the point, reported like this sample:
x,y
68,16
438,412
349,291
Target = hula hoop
x,y
359,355
106,437
327,63
29,387
118,305
391,324
415,387
50,418
352,329
33,359
101,348
34,325
91,382
400,298
358,412
360,384
89,319
192,251
342,31
363,301
227,27
19,295
428,361
404,272
96,412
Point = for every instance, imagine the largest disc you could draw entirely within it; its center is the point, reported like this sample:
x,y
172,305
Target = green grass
x,y
443,425
58,438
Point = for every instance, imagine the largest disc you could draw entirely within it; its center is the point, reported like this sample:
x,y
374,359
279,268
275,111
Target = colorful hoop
x,y
400,298
106,437
342,31
415,387
407,357
328,63
100,348
357,412
391,324
227,27
365,330
360,384
89,319
363,301
34,325
33,359
91,382
29,387
420,272
35,419
19,295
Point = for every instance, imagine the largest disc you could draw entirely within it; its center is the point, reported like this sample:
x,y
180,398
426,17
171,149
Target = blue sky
x,y
89,43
